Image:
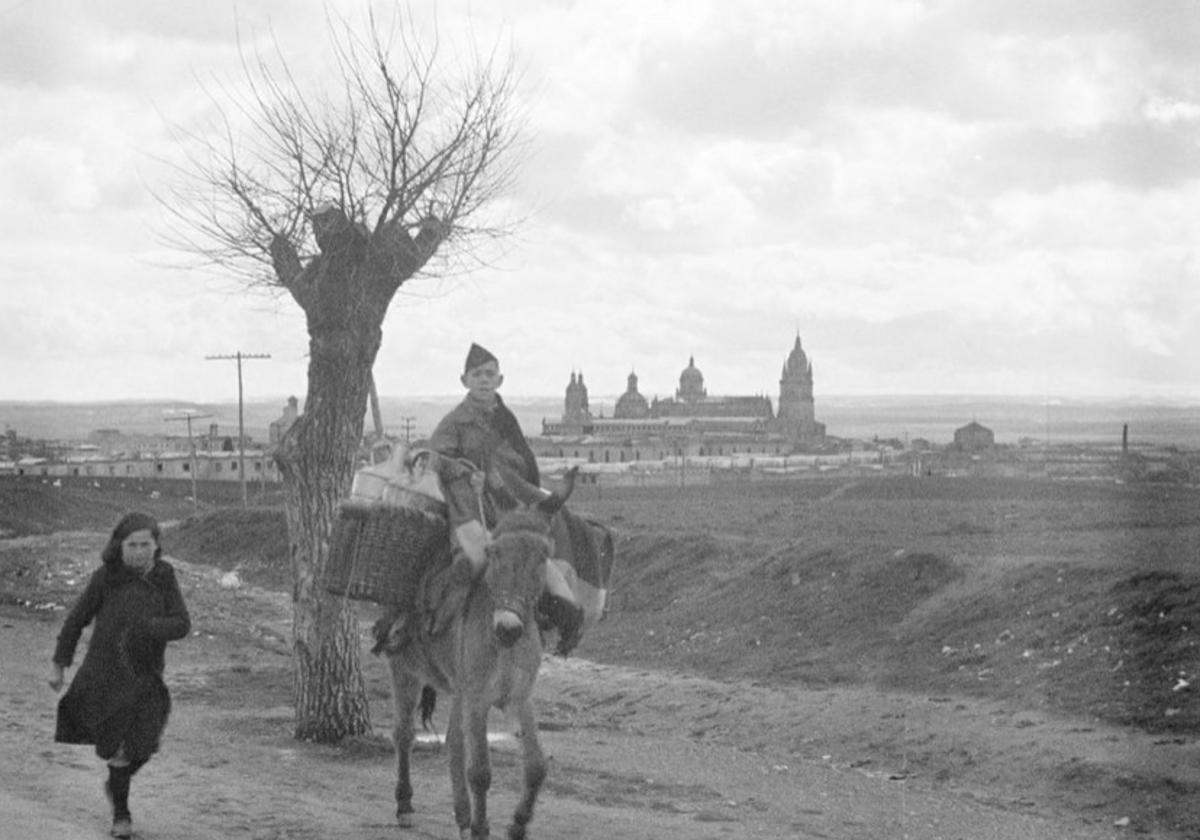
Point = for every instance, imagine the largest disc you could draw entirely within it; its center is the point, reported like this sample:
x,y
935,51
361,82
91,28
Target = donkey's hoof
x,y
406,820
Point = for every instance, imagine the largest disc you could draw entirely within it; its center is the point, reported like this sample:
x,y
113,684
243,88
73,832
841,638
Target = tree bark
x,y
331,700
317,461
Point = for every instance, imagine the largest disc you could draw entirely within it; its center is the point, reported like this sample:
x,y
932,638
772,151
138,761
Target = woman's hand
x,y
56,676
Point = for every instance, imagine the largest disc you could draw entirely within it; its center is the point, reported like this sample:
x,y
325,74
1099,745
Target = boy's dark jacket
x,y
491,439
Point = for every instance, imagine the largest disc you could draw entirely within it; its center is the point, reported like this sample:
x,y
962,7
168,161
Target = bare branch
x,y
409,155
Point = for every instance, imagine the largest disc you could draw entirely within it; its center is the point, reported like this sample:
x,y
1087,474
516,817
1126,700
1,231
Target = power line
x,y
188,416
239,356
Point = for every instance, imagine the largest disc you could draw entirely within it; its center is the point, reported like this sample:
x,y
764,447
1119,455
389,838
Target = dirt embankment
x,y
1029,644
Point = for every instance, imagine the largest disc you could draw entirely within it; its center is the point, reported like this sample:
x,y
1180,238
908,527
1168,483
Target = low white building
x,y
210,466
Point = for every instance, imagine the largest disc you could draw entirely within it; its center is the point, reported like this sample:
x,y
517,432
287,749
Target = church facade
x,y
694,421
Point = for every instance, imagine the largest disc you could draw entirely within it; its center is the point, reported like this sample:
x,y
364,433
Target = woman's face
x,y
481,382
137,550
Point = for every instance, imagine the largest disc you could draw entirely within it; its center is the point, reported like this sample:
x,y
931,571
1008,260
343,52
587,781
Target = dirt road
x,y
636,754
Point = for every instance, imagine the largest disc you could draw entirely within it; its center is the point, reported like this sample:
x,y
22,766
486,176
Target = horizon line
x,y
1180,399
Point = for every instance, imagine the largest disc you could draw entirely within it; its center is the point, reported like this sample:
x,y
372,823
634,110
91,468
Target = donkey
x,y
489,656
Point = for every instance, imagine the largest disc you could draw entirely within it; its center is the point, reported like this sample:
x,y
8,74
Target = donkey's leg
x,y
458,773
535,770
479,767
406,689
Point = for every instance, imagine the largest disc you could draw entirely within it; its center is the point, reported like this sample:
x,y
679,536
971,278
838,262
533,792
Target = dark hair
x,y
130,523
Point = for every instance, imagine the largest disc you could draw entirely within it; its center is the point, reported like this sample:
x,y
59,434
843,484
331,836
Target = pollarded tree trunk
x,y
330,697
345,293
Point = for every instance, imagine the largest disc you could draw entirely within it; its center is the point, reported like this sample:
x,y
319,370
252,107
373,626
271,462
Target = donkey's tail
x,y
427,704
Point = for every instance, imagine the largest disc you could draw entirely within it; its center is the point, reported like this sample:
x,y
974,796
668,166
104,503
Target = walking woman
x,y
117,699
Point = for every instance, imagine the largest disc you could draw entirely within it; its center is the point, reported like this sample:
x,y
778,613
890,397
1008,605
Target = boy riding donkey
x,y
485,467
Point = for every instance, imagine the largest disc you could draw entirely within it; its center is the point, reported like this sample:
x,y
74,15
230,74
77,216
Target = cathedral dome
x,y
631,405
691,382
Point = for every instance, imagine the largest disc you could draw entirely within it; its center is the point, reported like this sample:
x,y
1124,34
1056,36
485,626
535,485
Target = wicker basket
x,y
379,552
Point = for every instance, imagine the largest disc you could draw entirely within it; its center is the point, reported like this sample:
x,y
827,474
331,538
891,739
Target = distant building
x,y
692,421
973,436
113,443
576,411
631,405
797,410
279,428
692,400
210,466
106,437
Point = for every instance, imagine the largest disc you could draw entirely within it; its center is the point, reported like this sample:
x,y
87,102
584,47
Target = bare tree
x,y
338,200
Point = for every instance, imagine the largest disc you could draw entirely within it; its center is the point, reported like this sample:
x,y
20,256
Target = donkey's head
x,y
516,571
516,561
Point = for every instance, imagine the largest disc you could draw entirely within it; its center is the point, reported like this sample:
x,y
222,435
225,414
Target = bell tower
x,y
796,418
575,409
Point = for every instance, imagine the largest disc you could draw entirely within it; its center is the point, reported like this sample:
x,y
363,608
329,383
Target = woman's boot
x,y
117,790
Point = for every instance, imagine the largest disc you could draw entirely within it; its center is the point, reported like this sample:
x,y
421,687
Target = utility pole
x,y
376,414
408,427
239,356
192,450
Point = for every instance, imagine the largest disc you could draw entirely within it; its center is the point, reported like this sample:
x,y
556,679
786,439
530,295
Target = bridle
x,y
516,596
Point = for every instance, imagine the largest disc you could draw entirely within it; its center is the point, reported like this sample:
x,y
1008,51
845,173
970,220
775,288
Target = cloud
x,y
1165,26
1143,156
803,66
1168,111
49,173
40,50
988,196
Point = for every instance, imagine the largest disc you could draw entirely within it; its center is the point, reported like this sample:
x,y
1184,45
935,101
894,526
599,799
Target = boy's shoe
x,y
390,632
557,613
570,627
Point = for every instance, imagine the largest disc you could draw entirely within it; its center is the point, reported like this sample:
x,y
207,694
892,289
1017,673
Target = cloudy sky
x,y
940,197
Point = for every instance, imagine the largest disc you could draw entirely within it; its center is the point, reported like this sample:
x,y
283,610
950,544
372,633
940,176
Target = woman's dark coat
x,y
118,695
